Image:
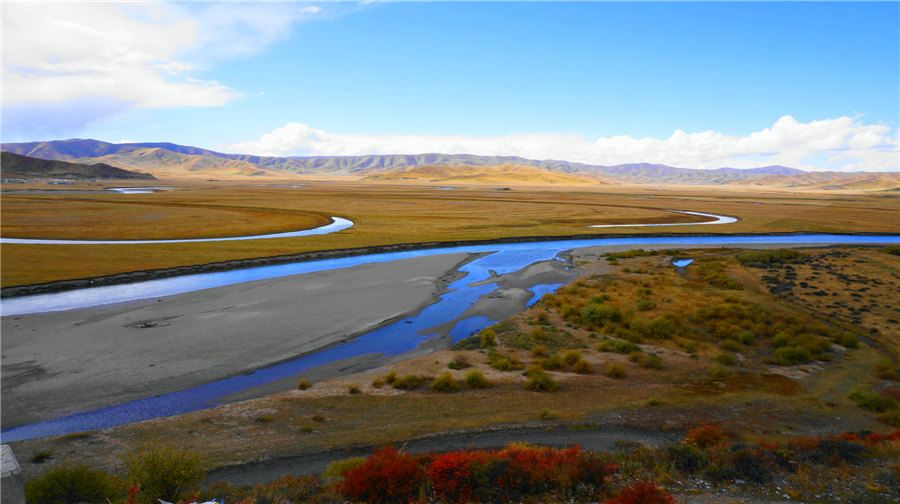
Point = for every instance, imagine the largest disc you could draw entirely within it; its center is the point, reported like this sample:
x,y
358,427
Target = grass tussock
x,y
538,380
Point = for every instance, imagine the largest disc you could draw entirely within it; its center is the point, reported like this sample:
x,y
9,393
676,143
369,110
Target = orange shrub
x,y
642,492
705,436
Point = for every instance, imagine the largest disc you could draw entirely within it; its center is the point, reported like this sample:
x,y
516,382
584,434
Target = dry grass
x,y
498,174
384,214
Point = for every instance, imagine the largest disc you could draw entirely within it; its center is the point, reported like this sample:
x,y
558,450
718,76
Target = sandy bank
x,y
59,363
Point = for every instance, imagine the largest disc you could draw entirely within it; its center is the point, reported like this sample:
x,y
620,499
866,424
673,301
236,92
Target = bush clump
x,y
475,379
540,381
596,314
583,367
571,357
687,458
646,360
872,401
71,485
163,472
629,254
444,383
645,305
617,346
642,492
459,362
769,258
516,473
885,369
408,382
552,362
539,351
488,338
714,274
725,359
614,370
338,468
503,362
705,436
386,476
387,379
661,328
791,355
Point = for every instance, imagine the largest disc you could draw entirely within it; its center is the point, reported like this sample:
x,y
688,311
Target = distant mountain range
x,y
178,161
24,167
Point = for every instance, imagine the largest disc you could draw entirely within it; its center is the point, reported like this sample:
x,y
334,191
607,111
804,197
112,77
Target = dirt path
x,y
592,438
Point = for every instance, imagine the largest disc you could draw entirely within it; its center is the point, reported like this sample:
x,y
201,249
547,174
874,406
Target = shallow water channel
x,y
402,336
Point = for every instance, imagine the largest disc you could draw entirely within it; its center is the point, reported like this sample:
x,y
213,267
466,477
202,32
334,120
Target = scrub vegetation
x,y
848,466
704,361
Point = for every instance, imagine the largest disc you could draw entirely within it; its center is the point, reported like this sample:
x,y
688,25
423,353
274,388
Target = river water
x,y
397,338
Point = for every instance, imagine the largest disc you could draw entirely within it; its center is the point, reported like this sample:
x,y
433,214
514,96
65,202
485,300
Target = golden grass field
x,y
497,174
383,214
689,388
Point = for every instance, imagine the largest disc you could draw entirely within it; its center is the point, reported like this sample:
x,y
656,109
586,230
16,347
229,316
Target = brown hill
x,y
497,174
24,167
852,181
167,164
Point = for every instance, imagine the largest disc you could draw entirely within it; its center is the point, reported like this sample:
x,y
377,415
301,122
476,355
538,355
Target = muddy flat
x,y
52,364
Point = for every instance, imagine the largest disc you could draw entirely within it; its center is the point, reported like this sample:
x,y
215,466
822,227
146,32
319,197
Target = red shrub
x,y
876,438
535,470
133,492
539,467
705,436
642,492
386,476
801,443
510,474
452,474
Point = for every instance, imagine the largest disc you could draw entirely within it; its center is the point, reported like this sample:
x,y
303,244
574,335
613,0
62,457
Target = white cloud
x,y
135,54
845,143
64,52
240,29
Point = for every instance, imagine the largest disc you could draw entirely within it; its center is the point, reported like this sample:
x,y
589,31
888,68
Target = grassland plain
x,y
383,215
722,361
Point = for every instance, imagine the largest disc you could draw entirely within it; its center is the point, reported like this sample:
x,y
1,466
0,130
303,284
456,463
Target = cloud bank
x,y
132,55
842,143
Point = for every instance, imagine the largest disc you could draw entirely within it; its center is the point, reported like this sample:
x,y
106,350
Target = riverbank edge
x,y
155,274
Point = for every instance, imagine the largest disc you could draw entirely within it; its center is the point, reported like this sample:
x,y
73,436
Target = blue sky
x,y
813,85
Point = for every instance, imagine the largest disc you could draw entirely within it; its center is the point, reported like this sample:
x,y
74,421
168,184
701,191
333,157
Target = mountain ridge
x,y
169,159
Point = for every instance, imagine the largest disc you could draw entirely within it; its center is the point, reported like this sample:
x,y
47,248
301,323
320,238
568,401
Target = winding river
x,y
393,339
337,224
717,219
